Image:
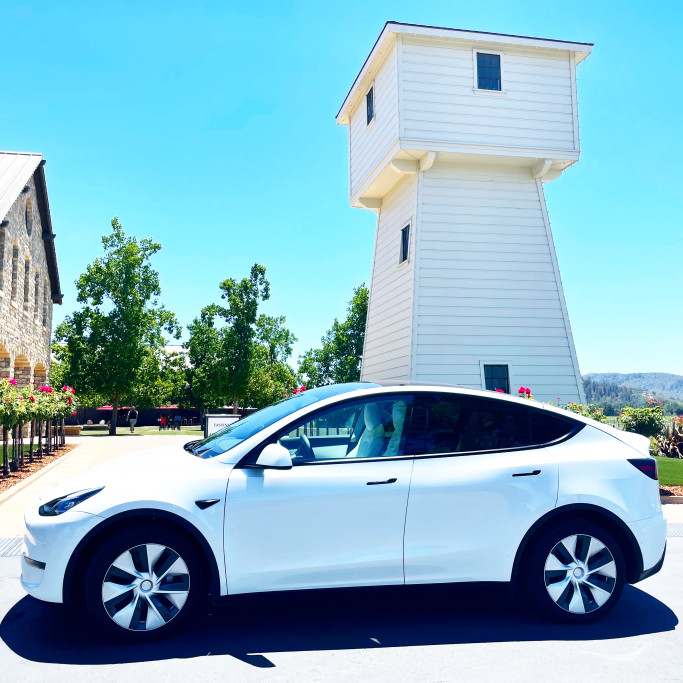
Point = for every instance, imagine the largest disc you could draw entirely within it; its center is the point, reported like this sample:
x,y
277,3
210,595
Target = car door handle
x,y
527,474
379,483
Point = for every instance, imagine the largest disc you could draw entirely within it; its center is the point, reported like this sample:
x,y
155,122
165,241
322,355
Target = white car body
x,y
445,518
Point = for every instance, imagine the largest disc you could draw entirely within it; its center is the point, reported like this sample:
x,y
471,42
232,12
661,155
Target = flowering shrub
x,y
21,405
648,421
299,390
525,392
588,410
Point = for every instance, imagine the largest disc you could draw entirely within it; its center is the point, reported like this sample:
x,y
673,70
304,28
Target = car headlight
x,y
64,503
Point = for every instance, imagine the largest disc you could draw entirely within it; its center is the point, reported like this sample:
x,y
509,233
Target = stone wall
x,y
25,295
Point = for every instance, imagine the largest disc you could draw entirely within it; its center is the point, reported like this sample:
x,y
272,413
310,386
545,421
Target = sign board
x,y
214,423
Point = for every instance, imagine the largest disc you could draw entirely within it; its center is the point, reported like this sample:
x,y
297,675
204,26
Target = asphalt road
x,y
399,634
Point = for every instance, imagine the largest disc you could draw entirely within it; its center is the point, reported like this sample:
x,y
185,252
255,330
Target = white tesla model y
x,y
356,485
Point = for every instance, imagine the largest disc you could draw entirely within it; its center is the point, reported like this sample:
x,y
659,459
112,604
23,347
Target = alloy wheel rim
x,y
580,574
145,587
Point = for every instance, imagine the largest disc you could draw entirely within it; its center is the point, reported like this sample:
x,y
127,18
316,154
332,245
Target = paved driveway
x,y
393,634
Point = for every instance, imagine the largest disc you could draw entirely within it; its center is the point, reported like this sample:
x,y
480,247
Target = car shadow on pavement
x,y
247,626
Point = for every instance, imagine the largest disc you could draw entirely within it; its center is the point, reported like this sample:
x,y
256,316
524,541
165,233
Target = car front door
x,y
337,517
478,485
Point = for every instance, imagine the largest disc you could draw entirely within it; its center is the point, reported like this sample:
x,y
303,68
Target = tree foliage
x,y
271,378
111,347
222,343
339,358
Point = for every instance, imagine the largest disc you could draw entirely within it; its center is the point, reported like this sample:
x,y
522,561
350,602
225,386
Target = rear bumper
x,y
651,537
653,570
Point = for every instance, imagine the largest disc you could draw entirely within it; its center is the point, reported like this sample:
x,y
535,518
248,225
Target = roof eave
x,y
48,236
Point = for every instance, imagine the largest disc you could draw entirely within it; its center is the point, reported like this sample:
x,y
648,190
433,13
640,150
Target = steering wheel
x,y
304,451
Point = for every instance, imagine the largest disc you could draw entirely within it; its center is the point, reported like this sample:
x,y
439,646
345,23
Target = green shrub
x,y
589,410
648,421
670,442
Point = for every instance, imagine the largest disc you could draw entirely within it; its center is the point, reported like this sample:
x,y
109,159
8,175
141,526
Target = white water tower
x,y
451,136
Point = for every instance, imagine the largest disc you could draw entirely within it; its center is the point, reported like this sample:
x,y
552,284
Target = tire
x,y
144,583
574,572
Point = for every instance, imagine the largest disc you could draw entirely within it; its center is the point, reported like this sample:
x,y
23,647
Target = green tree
x,y
221,341
271,378
339,358
112,347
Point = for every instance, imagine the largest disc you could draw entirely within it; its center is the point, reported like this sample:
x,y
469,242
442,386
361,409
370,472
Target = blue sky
x,y
210,127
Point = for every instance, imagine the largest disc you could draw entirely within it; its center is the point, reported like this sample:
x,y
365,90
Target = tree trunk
x,y
235,405
21,446
40,439
5,458
114,415
47,437
32,436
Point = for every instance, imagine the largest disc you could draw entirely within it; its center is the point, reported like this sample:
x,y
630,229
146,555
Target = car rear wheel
x,y
575,572
143,583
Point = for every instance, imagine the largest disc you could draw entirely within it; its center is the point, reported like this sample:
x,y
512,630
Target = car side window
x,y
355,429
546,428
453,423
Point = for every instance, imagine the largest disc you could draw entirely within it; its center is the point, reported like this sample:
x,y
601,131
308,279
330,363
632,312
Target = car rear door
x,y
478,485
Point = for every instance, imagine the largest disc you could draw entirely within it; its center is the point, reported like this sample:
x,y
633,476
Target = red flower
x,y
521,390
302,388
32,399
74,412
20,398
528,392
500,391
12,381
69,400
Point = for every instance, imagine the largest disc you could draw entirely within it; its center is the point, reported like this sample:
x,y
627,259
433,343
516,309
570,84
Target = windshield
x,y
236,433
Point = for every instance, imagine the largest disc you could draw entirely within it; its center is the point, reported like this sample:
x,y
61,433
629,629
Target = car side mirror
x,y
274,456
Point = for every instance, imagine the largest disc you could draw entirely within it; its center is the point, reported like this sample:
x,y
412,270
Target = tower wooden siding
x,y
439,103
368,145
464,168
388,339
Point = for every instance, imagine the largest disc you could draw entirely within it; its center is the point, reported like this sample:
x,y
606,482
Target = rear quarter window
x,y
546,428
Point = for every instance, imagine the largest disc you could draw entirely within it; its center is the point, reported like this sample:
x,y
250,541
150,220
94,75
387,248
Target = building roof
x,y
16,169
393,28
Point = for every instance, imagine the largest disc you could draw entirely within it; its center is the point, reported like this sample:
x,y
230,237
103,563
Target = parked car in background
x,y
356,485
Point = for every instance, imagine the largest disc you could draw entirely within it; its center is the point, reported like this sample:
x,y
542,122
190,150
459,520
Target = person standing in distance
x,y
132,419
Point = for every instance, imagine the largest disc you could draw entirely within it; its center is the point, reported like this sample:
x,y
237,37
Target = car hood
x,y
157,468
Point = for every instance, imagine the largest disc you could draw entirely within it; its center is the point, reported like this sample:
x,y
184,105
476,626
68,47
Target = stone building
x,y
29,279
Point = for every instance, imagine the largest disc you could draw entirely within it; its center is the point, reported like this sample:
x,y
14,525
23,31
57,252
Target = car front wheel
x,y
575,572
143,583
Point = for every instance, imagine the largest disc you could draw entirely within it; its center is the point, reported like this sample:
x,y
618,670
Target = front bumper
x,y
52,541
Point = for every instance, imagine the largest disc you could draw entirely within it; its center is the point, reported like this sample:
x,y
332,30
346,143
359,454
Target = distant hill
x,y
657,383
612,390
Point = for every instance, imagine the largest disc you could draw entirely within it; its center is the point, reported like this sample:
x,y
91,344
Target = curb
x,y
17,488
671,500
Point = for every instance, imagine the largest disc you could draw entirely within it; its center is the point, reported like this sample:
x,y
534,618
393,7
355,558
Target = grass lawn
x,y
670,471
123,430
195,431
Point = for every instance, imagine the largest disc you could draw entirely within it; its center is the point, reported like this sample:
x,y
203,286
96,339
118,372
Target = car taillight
x,y
647,466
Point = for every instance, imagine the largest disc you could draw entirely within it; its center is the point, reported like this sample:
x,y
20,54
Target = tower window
x,y
370,104
405,243
488,71
497,377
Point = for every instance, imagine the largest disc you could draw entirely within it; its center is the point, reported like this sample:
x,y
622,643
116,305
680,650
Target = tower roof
x,y
392,29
